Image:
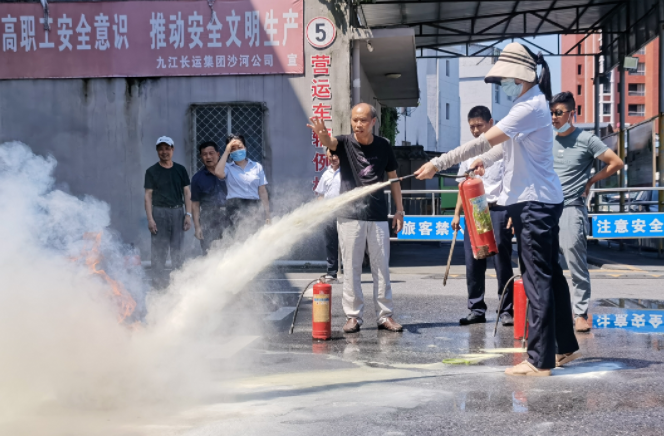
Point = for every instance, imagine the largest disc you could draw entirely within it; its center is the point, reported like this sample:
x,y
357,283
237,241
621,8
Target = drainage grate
x,y
215,122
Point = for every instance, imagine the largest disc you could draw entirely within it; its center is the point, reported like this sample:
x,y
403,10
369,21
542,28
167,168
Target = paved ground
x,y
381,383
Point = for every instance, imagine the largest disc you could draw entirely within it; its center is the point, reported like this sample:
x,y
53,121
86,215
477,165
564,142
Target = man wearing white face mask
x,y
574,152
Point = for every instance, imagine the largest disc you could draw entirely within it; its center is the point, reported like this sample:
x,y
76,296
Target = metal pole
x,y
597,128
623,132
357,82
660,158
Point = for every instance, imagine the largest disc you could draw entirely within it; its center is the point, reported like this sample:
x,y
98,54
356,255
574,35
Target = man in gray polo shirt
x,y
574,151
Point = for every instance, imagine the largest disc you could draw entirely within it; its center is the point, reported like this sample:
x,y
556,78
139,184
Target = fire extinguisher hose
x,y
502,298
299,300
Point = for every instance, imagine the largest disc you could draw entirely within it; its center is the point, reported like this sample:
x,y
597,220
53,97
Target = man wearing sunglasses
x,y
574,151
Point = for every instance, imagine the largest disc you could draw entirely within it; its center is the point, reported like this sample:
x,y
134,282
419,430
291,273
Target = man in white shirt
x,y
480,121
328,187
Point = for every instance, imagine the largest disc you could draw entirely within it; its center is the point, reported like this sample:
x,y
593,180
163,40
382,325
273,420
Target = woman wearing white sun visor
x,y
534,200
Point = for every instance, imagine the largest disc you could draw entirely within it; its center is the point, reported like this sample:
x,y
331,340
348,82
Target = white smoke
x,y
60,338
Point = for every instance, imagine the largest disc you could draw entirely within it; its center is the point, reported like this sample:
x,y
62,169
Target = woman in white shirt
x,y
246,185
534,200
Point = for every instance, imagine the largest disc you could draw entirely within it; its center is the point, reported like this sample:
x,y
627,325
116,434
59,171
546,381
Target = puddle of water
x,y
630,303
588,370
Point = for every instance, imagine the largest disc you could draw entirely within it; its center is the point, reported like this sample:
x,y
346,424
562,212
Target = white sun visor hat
x,y
165,140
514,62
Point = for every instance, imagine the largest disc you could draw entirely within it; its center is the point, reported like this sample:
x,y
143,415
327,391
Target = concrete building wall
x,y
434,124
103,131
449,136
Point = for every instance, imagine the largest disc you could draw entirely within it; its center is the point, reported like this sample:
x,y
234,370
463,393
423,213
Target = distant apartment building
x,y
474,92
577,77
434,123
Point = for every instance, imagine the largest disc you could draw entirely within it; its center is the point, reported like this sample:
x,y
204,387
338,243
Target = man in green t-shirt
x,y
574,151
166,192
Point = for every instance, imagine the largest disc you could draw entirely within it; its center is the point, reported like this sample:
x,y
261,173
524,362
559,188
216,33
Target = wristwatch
x,y
188,213
400,212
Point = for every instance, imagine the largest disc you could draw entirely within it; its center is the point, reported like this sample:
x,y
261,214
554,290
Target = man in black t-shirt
x,y
365,160
166,191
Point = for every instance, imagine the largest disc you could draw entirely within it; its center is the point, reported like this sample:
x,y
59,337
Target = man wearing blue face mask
x,y
574,151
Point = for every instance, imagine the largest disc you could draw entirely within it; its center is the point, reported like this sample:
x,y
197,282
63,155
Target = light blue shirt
x,y
244,183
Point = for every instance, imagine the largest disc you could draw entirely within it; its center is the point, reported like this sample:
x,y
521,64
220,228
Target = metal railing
x,y
428,201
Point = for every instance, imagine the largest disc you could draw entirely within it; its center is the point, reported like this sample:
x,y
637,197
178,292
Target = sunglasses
x,y
559,113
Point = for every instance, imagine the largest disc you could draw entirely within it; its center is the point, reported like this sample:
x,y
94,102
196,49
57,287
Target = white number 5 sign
x,y
321,32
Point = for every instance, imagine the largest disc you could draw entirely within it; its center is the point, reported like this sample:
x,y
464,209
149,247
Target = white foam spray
x,y
60,337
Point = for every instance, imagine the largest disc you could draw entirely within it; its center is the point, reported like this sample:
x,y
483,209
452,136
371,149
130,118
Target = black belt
x,y
492,205
170,207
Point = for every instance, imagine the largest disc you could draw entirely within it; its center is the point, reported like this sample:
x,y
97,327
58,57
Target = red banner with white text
x,y
151,39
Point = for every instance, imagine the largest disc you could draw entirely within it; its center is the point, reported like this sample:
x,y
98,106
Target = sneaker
x,y
472,318
581,325
506,319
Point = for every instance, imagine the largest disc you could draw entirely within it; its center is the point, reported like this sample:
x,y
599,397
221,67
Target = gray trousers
x,y
169,237
574,248
354,237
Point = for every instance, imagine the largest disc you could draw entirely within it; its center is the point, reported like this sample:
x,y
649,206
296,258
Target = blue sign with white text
x,y
628,225
432,228
649,321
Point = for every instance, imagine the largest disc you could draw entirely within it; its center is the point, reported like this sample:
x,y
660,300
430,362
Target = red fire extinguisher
x,y
321,315
520,306
478,219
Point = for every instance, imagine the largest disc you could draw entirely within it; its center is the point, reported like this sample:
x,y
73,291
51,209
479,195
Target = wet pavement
x,y
434,378
383,383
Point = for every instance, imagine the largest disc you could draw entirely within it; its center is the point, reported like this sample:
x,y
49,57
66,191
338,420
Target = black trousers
x,y
476,268
213,222
245,217
550,314
331,237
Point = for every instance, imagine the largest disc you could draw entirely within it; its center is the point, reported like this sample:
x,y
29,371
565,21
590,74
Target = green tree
x,y
388,123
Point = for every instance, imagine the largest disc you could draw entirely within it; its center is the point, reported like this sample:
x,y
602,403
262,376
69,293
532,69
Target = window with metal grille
x,y
636,89
636,110
496,93
640,70
215,122
606,88
606,109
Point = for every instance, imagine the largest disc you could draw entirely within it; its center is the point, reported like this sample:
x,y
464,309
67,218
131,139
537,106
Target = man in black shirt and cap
x,y
365,159
166,191
208,198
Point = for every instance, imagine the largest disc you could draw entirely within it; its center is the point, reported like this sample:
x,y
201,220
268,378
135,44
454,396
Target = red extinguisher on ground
x,y
321,315
478,218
